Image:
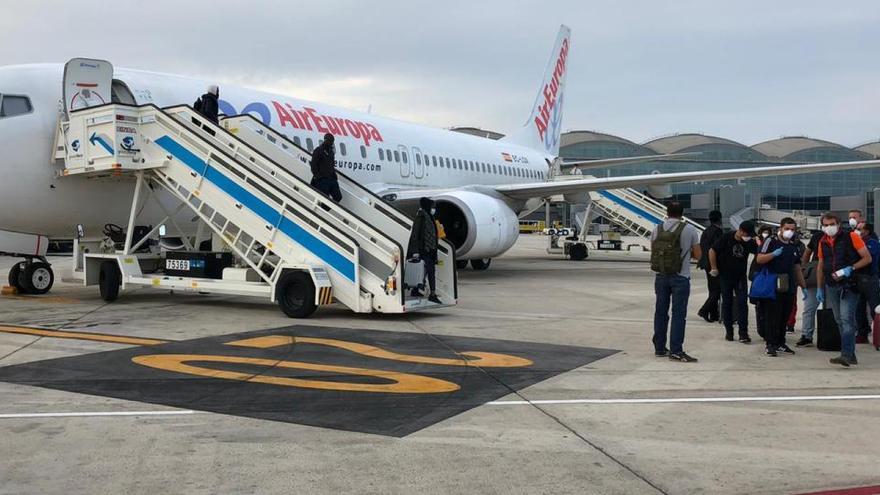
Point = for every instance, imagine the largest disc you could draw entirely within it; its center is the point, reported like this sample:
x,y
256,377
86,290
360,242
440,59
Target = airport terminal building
x,y
811,193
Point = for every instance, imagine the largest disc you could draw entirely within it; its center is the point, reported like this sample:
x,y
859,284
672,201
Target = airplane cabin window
x,y
427,161
397,156
381,154
447,163
12,105
296,141
418,159
403,155
342,148
434,160
388,154
363,151
309,145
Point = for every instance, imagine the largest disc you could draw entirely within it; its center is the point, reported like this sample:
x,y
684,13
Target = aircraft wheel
x,y
461,264
578,251
481,264
36,278
295,293
109,280
14,274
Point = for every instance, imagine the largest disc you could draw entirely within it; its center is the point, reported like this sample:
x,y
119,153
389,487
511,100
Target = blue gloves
x,y
847,271
777,253
820,295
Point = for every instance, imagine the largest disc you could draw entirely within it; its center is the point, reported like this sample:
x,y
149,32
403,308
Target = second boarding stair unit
x,y
254,195
632,210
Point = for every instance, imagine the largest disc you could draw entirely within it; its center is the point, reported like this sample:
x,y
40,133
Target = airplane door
x,y
404,161
418,166
87,83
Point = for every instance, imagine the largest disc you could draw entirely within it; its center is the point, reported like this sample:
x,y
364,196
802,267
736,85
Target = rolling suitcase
x,y
875,338
827,334
414,275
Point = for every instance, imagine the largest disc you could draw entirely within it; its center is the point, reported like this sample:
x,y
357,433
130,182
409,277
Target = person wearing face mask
x,y
854,218
780,255
728,259
799,252
809,264
423,244
868,285
841,254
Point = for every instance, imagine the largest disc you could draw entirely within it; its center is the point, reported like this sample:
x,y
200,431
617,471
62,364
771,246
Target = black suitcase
x,y
827,334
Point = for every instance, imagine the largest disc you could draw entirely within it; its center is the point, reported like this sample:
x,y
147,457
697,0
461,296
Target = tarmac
x,y
541,380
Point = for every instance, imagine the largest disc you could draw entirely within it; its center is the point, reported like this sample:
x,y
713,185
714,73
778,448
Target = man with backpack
x,y
673,244
710,236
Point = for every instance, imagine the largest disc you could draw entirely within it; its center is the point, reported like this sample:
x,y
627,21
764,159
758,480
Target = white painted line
x,y
681,400
96,413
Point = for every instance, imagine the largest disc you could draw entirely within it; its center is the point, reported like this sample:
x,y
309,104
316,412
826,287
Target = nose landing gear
x,y
32,276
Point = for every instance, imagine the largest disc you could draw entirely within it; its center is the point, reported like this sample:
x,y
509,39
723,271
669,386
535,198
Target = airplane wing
x,y
544,189
613,162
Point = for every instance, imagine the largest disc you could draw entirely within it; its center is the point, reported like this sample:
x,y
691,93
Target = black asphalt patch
x,y
115,374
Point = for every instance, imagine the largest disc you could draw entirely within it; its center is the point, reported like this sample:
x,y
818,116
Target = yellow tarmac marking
x,y
479,358
43,299
99,337
402,383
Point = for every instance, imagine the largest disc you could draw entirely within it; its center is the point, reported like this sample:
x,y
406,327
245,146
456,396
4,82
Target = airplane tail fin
x,y
541,131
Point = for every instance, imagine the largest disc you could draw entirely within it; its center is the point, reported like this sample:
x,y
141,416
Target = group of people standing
x,y
839,267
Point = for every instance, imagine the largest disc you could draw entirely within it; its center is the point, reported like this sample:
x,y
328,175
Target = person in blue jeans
x,y
674,289
809,260
841,255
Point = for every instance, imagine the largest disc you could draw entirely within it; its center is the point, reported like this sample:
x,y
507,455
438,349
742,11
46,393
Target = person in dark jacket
x,y
710,236
208,103
324,168
423,244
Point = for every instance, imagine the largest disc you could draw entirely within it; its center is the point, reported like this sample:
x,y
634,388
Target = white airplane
x,y
480,185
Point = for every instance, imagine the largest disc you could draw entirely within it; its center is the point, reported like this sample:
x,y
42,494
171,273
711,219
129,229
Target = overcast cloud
x,y
745,70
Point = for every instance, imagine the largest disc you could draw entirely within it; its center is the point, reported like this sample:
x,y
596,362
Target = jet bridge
x,y
250,188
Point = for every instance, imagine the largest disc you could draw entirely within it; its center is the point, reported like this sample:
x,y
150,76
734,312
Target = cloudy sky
x,y
746,70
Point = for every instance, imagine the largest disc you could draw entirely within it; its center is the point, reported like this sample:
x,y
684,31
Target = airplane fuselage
x,y
383,154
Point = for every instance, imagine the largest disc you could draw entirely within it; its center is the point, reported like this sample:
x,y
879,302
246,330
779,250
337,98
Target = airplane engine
x,y
478,225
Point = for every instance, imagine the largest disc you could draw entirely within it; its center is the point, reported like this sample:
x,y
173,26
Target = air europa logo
x,y
309,119
549,107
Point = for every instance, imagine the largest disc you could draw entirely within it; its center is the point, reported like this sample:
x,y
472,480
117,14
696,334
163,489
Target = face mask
x,y
830,230
746,238
787,234
853,223
433,211
765,234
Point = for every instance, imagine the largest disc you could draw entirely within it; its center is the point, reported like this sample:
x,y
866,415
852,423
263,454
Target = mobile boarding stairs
x,y
250,186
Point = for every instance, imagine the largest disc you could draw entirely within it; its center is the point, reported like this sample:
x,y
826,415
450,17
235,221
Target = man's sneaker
x,y
771,352
840,360
862,339
434,299
704,315
785,348
804,342
745,340
662,353
681,356
852,360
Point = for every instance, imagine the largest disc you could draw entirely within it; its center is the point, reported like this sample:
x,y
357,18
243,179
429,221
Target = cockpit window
x,y
12,105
